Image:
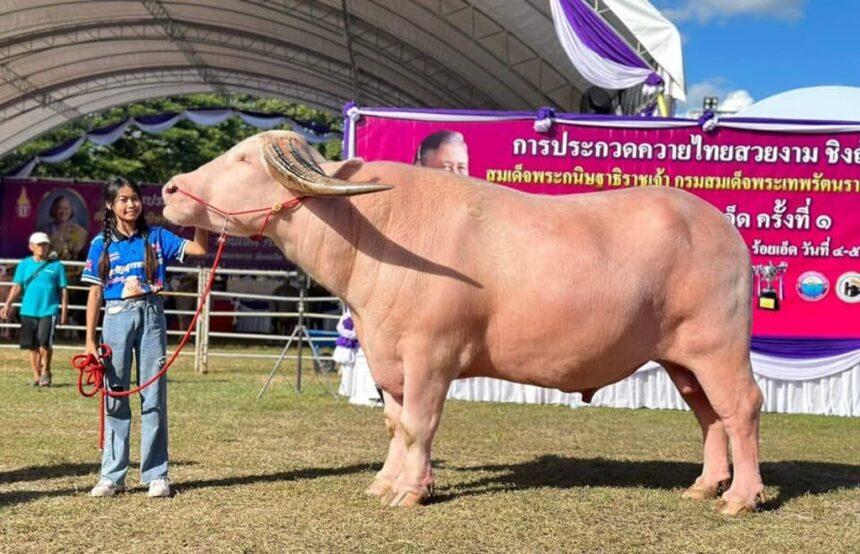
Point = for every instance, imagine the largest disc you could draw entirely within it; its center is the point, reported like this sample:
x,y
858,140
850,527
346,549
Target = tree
x,y
143,157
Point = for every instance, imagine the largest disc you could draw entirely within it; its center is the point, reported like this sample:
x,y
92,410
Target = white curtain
x,y
261,122
108,138
650,387
837,394
208,117
596,69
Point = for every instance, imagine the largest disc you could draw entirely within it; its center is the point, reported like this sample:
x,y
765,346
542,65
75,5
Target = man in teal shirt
x,y
42,278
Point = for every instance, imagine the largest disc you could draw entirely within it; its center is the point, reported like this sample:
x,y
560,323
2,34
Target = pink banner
x,y
794,196
28,205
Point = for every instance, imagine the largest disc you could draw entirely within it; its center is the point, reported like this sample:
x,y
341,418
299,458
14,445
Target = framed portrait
x,y
63,214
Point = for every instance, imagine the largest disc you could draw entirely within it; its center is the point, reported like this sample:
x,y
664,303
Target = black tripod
x,y
300,334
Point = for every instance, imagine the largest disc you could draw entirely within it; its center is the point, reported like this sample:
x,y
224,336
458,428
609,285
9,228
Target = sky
x,y
743,51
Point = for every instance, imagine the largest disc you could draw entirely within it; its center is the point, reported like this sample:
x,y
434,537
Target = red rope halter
x,y
274,209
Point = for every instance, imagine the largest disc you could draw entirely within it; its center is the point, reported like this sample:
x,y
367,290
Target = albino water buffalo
x,y
450,277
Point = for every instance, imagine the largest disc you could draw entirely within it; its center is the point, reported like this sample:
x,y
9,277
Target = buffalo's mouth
x,y
177,207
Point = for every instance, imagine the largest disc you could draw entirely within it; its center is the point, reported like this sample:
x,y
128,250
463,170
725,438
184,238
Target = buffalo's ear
x,y
342,170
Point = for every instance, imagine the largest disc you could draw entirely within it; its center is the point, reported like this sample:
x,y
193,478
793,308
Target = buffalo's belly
x,y
570,345
564,370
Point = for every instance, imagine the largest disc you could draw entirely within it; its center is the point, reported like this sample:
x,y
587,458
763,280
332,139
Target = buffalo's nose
x,y
170,188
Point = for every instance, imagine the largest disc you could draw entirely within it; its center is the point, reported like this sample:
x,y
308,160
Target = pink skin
x,y
551,291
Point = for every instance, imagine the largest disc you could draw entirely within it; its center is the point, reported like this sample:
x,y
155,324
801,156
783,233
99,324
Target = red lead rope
x,y
91,369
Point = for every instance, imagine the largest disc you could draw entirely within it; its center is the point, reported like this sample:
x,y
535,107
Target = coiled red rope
x,y
91,369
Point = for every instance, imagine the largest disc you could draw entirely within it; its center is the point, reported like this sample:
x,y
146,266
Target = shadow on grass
x,y
64,470
294,475
22,497
40,473
56,471
37,473
792,478
798,478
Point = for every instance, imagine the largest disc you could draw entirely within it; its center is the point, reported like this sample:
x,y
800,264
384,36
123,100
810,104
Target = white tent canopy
x,y
63,59
653,33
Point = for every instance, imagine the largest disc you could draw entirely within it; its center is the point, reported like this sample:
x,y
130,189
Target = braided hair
x,y
109,192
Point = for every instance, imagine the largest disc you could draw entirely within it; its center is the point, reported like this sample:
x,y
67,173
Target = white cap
x,y
39,238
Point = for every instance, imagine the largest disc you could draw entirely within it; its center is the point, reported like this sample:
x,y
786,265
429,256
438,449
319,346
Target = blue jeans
x,y
137,326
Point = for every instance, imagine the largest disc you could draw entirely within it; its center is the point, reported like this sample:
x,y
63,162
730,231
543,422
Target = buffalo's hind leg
x,y
385,478
715,476
737,401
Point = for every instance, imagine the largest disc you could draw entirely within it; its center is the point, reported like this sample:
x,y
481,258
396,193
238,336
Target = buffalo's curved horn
x,y
290,162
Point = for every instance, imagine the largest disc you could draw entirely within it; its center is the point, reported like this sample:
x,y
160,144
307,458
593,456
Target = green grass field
x,y
287,474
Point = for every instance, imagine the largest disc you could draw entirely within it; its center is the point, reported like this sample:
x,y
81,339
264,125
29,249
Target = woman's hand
x,y
92,348
200,245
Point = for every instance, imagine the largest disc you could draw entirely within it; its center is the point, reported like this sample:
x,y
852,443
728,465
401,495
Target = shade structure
x,y
63,59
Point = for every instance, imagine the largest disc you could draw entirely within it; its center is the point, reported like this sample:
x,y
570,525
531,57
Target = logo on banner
x,y
848,287
22,205
812,286
766,277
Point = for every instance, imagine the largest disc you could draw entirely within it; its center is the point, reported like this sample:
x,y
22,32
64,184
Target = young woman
x,y
126,267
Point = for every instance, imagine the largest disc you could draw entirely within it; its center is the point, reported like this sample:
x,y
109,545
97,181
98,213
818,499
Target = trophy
x,y
768,297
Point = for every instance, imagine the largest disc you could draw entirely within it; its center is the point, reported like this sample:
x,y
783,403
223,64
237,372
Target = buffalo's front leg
x,y
423,400
384,480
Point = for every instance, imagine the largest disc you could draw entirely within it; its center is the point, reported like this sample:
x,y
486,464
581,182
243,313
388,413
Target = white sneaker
x,y
159,488
106,487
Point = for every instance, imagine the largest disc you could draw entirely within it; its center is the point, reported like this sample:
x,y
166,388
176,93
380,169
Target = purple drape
x,y
798,348
598,36
60,148
155,119
318,133
103,131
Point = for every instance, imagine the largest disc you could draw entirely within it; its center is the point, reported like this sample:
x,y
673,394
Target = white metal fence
x,y
244,307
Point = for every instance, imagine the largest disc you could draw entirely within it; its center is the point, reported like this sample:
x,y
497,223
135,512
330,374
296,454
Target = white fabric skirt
x,y
357,384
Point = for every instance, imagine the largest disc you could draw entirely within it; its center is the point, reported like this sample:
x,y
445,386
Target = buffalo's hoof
x,y
403,499
408,497
379,487
703,492
738,508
